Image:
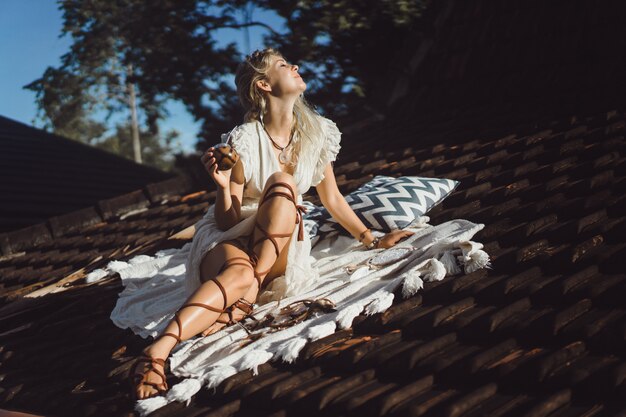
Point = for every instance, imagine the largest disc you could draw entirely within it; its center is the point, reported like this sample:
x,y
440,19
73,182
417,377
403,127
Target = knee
x,y
278,177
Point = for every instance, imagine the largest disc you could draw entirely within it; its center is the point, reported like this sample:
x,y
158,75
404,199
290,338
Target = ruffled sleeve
x,y
238,138
330,149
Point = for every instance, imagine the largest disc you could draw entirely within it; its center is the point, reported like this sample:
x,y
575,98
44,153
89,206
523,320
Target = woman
x,y
252,237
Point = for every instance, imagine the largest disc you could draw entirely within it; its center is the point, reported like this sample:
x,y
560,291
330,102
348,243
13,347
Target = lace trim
x,y
329,150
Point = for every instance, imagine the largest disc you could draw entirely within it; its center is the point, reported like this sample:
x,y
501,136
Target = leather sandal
x,y
272,236
139,378
242,304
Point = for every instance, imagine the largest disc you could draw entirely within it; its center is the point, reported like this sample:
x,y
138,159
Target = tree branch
x,y
243,25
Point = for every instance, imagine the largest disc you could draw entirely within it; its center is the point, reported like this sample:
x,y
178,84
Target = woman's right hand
x,y
221,178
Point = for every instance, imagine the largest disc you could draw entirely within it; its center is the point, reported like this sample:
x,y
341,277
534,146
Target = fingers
x,y
207,155
209,162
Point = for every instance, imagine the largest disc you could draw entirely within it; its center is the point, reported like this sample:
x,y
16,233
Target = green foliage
x,y
347,45
156,151
167,50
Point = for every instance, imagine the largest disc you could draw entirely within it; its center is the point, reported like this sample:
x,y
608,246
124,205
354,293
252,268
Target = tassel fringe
x,y
254,358
412,283
219,374
380,303
147,406
347,315
322,330
435,271
449,262
184,390
289,350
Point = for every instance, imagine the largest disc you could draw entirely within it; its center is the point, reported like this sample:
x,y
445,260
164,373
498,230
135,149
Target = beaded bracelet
x,y
373,244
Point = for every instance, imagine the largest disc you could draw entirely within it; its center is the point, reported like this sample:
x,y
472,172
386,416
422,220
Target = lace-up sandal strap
x,y
289,196
257,275
180,327
300,210
230,321
254,258
239,260
243,305
269,236
139,378
221,287
208,307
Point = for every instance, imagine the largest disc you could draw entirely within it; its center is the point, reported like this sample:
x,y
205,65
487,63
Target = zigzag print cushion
x,y
385,203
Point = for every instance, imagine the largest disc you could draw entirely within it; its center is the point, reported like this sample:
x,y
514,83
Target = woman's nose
x,y
295,67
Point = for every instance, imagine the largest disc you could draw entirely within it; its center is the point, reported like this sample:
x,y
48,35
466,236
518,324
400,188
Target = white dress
x,y
259,162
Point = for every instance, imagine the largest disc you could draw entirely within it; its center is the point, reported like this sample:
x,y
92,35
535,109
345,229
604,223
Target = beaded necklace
x,y
282,157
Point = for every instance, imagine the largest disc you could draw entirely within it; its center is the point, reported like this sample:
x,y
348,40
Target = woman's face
x,y
284,79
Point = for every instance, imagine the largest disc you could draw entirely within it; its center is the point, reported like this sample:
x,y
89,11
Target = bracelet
x,y
362,235
373,244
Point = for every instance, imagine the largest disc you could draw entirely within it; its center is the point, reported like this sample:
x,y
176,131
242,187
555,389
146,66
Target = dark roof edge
x,y
29,237
81,145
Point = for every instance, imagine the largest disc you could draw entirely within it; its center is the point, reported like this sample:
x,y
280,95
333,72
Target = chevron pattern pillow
x,y
314,218
388,203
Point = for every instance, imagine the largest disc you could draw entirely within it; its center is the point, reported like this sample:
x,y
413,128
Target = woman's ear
x,y
264,85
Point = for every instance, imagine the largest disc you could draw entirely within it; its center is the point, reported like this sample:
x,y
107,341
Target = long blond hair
x,y
306,119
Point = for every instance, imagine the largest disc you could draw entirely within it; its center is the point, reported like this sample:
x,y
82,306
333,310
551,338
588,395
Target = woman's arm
x,y
228,200
338,207
341,211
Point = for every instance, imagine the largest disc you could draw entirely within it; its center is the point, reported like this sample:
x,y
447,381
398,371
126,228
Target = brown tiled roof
x,y
44,175
544,330
543,333
528,58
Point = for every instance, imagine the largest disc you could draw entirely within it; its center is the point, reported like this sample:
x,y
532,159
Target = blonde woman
x,y
250,245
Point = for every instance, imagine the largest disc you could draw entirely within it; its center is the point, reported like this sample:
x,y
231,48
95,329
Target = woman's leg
x,y
236,280
276,220
276,215
277,270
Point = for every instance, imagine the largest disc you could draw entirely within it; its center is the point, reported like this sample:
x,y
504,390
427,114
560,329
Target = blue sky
x,y
30,31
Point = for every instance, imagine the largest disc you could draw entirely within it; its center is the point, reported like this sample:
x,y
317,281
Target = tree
x,y
157,151
167,43
344,47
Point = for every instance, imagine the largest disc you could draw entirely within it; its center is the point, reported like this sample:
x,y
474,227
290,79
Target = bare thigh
x,y
280,265
215,258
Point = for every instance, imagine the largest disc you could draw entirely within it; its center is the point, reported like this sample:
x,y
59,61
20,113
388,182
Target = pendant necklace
x,y
282,157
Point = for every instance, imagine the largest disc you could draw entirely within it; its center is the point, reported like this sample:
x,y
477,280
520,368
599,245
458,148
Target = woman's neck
x,y
278,121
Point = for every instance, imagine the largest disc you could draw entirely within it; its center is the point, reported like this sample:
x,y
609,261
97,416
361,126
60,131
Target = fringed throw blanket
x,y
353,281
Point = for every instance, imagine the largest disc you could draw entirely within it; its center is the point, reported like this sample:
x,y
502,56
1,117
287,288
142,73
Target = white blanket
x,y
154,291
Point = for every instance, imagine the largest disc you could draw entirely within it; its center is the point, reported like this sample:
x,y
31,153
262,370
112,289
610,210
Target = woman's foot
x,y
148,374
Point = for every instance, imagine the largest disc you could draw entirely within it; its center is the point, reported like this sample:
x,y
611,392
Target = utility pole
x,y
247,18
133,115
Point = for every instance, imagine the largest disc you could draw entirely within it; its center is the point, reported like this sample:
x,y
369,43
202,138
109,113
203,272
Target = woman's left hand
x,y
393,238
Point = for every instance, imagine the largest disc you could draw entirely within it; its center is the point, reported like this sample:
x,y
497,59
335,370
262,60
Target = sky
x,y
30,43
